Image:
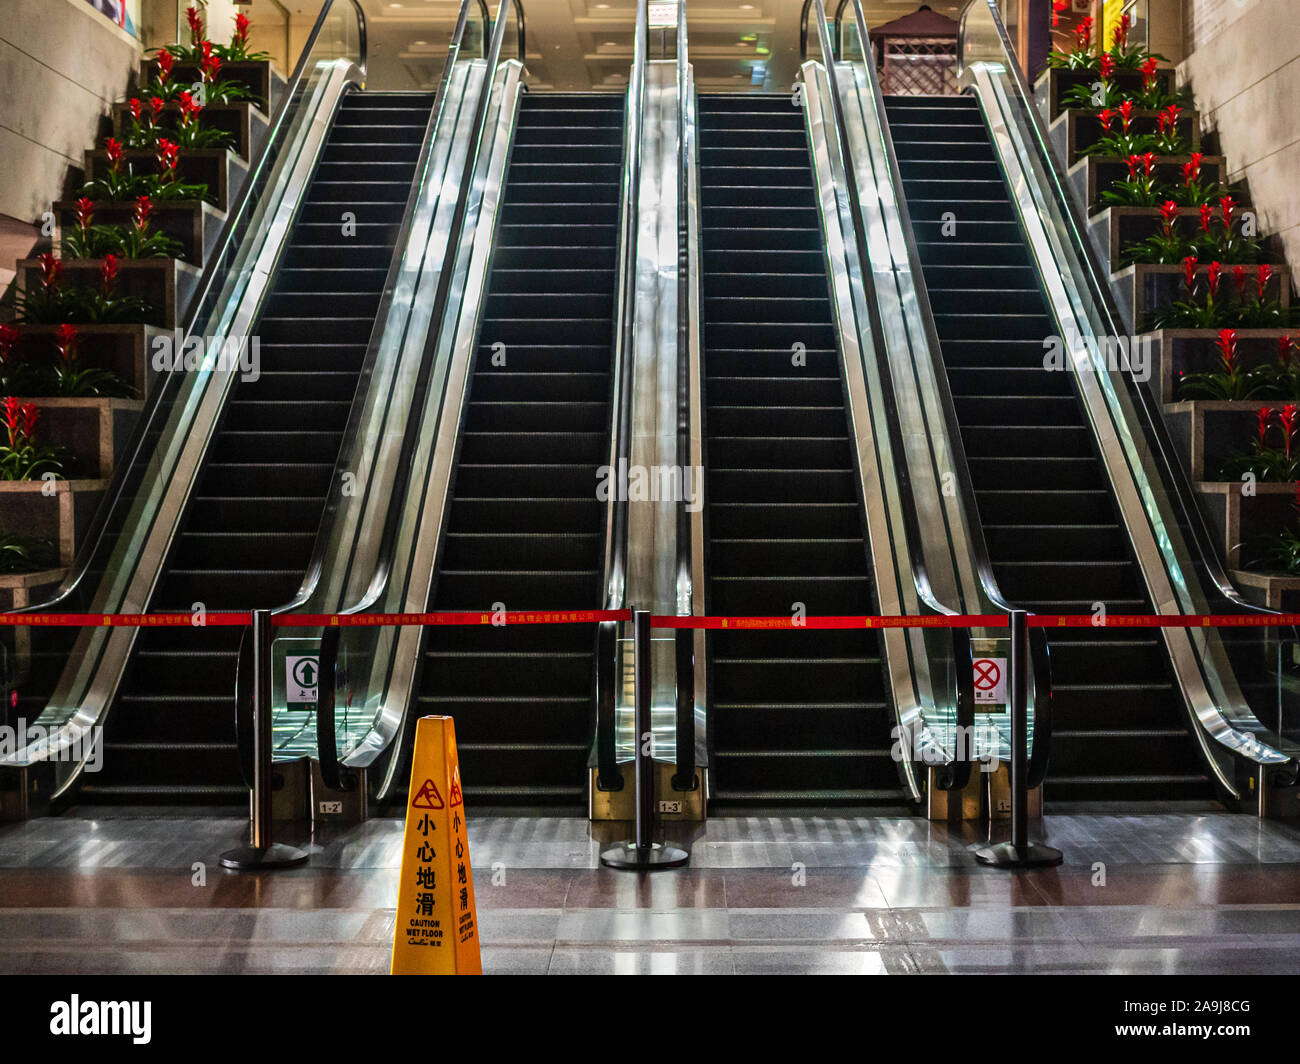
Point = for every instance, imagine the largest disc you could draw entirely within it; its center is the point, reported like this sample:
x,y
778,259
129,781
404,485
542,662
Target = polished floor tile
x,y
1152,892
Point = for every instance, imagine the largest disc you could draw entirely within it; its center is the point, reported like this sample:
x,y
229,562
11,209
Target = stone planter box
x,y
246,124
1053,84
1240,522
1143,289
1075,130
124,349
220,169
1194,351
1090,176
165,284
93,431
196,224
60,515
266,84
20,590
1209,430
1270,590
1115,228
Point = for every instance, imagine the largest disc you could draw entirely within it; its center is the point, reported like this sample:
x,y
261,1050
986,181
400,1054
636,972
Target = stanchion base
x,y
651,859
1007,855
264,858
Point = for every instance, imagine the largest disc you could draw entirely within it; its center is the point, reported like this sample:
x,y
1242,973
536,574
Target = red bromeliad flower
x,y
1192,170
1148,163
1148,69
113,148
1168,215
1207,216
143,211
166,61
1227,345
1119,39
1261,283
190,108
85,213
1126,113
1283,352
210,63
156,106
1133,162
1263,416
1107,66
108,273
1057,7
168,154
30,413
8,341
1168,120
242,23
51,271
1227,205
1189,272
1104,118
1083,34
13,419
65,338
1239,279
1287,417
137,108
1215,270
196,24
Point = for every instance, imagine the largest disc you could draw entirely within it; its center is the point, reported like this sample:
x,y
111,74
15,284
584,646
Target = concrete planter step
x,y
245,123
1144,289
166,285
1090,176
124,349
1053,84
57,510
1242,522
1077,129
220,169
1175,351
93,431
1274,591
194,223
1210,430
259,76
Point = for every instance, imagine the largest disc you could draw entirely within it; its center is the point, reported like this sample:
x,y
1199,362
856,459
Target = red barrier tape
x,y
996,620
505,619
127,620
782,623
1172,620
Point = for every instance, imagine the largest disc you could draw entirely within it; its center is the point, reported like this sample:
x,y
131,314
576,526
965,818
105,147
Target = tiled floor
x,y
1193,891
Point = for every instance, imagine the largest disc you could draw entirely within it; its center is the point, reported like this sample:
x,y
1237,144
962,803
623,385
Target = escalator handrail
x,y
684,638
977,553
958,770
620,419
322,551
155,407
1152,422
332,769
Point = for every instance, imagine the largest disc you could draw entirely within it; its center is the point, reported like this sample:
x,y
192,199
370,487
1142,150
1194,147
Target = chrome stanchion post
x,y
1019,852
263,852
641,853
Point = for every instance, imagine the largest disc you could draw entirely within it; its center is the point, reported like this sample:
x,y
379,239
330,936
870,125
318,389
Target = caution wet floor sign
x,y
436,932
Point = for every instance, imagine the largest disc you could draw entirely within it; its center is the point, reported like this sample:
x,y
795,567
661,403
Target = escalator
x,y
1054,533
524,525
248,530
796,718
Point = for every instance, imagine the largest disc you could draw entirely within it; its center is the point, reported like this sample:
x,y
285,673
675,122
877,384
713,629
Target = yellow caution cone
x,y
436,931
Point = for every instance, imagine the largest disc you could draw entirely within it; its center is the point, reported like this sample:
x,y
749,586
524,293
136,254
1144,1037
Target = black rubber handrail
x,y
684,638
607,681
332,770
956,774
979,558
